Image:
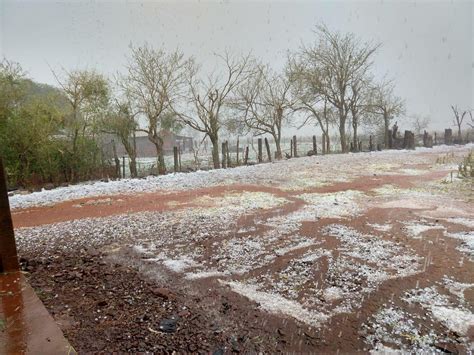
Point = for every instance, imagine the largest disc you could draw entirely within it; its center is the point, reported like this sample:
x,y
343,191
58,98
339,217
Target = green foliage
x,y
37,141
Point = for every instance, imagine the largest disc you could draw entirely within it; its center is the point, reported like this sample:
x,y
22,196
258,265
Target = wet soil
x,y
109,300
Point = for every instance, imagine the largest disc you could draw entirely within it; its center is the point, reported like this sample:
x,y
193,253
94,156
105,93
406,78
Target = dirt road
x,y
357,252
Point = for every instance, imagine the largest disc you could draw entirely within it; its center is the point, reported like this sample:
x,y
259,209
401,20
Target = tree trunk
x,y
160,160
278,154
342,133
267,146
354,138
215,152
133,166
328,143
386,123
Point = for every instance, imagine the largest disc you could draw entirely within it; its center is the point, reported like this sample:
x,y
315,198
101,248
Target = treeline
x,y
57,134
49,134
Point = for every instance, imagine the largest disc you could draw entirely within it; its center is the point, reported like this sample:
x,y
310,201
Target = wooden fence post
x,y
268,150
448,136
223,163
246,156
260,150
315,146
238,162
371,146
8,253
295,150
291,148
116,159
227,152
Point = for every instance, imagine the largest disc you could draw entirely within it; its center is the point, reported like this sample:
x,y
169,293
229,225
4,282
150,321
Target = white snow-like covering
x,y
204,275
457,288
333,293
467,242
380,227
415,229
320,169
277,304
381,349
179,265
387,255
455,317
333,205
396,327
467,222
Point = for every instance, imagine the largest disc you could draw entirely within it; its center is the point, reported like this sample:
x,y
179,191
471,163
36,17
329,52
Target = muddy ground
x,y
315,255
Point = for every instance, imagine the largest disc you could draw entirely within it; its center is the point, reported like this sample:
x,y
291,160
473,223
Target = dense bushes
x,y
38,141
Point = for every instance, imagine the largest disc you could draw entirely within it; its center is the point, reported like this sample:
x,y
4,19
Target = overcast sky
x,y
427,46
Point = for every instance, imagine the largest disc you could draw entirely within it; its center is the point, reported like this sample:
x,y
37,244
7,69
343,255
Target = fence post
x,y
246,156
238,162
260,150
315,146
435,139
8,254
224,165
227,153
268,150
448,136
371,147
291,148
116,159
175,158
295,150
360,146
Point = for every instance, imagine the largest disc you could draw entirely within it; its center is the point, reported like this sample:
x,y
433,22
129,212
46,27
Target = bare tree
x,y
385,104
420,123
459,119
472,119
309,101
265,101
153,83
210,98
334,65
359,105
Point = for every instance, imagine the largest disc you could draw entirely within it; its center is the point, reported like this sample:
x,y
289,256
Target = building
x,y
145,148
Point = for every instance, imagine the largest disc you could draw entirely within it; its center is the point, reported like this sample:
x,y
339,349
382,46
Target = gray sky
x,y
427,45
